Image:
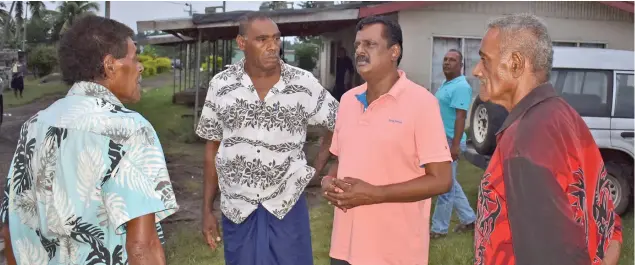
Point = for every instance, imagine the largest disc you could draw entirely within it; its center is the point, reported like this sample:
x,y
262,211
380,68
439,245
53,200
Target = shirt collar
x,y
91,89
456,79
287,74
537,95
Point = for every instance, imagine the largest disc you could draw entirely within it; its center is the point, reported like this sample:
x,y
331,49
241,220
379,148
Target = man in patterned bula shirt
x,y
544,198
88,183
255,119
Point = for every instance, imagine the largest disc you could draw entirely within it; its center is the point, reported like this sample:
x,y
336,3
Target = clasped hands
x,y
348,193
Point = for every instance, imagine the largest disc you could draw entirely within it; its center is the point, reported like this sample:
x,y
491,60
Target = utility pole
x,y
107,9
189,11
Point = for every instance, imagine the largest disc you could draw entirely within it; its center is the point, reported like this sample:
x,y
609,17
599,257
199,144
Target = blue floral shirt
x,y
83,168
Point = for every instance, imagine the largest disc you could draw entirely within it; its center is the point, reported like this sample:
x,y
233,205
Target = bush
x,y
42,60
149,68
142,58
163,64
219,63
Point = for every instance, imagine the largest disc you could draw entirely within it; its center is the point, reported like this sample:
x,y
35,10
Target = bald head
x,y
528,35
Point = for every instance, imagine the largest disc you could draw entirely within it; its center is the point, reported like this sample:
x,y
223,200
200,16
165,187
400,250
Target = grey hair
x,y
527,34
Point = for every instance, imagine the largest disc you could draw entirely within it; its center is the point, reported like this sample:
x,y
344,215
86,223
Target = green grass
x,y
174,131
33,90
185,245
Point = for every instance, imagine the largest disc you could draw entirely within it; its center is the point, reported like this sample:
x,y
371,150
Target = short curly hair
x,y
84,45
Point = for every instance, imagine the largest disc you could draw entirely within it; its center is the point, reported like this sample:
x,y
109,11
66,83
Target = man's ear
x,y
240,40
110,65
517,64
396,51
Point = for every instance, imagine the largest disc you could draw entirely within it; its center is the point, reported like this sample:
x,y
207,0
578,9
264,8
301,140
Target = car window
x,y
624,101
587,91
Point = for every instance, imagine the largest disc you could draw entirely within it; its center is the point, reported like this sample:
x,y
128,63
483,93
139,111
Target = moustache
x,y
361,58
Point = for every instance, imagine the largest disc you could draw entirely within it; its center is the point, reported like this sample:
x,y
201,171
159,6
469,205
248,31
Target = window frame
x,y
578,43
615,73
610,90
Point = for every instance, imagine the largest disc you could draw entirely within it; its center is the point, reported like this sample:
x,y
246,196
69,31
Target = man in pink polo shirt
x,y
393,157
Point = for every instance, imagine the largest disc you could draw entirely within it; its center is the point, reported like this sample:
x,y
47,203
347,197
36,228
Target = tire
x,y
619,188
485,120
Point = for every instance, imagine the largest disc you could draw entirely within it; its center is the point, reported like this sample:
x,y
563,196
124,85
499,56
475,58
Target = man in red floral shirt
x,y
544,198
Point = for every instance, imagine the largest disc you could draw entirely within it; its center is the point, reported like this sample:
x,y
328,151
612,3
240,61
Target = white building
x,y
430,29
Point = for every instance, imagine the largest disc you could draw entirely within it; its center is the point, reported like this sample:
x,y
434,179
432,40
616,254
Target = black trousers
x,y
339,262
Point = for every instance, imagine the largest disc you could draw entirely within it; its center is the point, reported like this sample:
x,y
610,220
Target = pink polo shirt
x,y
386,143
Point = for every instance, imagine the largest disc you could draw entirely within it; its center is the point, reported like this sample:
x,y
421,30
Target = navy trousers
x,y
263,239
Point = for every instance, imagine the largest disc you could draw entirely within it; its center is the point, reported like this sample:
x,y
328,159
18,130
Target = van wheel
x,y
486,118
618,187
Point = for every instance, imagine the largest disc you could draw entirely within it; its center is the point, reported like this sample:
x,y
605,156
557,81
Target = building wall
x,y
567,21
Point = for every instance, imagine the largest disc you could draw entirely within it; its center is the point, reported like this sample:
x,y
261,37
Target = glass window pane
x,y
472,47
587,91
624,102
564,44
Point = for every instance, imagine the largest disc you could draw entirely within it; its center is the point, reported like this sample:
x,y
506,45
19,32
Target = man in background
x,y
344,71
544,198
454,97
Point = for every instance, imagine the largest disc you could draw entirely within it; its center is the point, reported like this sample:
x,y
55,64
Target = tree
x,y
306,55
14,30
68,12
274,5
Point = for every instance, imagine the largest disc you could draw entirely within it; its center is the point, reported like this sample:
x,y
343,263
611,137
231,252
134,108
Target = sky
x,y
129,12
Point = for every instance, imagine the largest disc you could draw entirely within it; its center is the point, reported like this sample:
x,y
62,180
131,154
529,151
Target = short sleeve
x,y
430,140
324,106
140,185
209,125
461,97
334,148
4,207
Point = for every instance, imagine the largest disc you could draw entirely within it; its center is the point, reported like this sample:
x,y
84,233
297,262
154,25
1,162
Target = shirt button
x,y
257,195
258,150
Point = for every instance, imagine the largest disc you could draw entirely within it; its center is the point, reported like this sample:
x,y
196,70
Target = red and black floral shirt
x,y
544,198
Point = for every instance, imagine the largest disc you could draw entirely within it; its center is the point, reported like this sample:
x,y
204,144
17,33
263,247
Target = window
x,y
468,46
624,101
587,91
579,44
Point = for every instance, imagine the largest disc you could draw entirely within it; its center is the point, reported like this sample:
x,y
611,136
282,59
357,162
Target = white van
x,y
598,83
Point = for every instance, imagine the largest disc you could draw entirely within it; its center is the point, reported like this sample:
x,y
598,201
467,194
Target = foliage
x,y
42,60
219,63
68,12
163,64
306,55
274,5
153,66
149,50
142,57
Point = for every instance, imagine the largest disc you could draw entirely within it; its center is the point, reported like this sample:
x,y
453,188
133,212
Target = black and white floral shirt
x,y
260,160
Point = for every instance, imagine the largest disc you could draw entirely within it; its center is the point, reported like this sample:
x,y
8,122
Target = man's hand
x,y
356,192
328,187
455,151
612,254
211,232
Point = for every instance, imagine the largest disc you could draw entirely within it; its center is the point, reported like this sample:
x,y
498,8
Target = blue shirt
x,y
83,168
452,95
